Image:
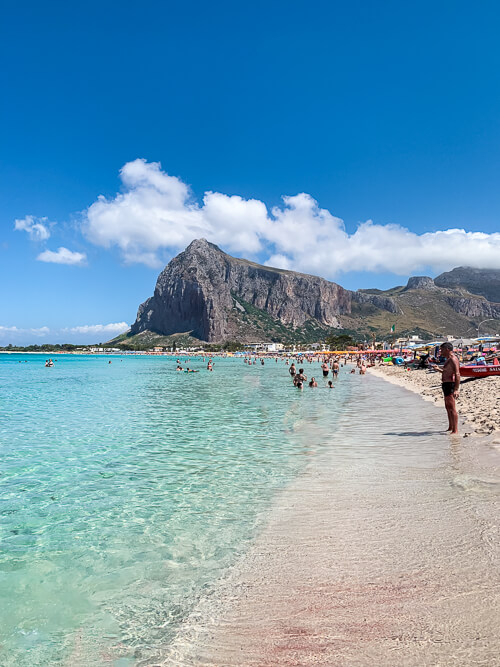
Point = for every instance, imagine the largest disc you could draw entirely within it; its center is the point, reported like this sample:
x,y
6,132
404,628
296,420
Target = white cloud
x,y
157,212
41,331
62,256
114,328
35,227
279,262
87,333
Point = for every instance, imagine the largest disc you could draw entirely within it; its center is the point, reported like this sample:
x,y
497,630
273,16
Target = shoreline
x,y
478,405
375,554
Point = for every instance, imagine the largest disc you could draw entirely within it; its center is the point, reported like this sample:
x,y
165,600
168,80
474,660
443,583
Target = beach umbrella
x,y
464,341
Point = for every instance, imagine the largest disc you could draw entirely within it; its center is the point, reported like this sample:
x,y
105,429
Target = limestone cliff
x,y
203,290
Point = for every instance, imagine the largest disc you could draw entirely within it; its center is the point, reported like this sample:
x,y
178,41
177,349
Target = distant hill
x,y
204,294
485,282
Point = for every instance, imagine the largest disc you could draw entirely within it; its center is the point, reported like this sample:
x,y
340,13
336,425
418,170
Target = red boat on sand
x,y
479,371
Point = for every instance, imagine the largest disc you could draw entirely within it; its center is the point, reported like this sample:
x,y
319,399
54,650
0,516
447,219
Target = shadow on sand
x,y
415,434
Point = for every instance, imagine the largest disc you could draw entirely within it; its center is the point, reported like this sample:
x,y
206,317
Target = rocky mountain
x,y
205,294
422,307
485,282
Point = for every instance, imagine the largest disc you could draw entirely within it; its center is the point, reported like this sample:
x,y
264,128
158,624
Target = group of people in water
x,y
329,365
210,366
332,365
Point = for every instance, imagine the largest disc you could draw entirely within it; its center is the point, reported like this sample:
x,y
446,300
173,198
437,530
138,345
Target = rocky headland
x,y
205,294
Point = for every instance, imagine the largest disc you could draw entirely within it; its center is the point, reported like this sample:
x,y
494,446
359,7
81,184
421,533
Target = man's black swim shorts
x,y
448,388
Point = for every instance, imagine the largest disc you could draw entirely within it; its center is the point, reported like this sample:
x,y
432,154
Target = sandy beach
x,y
479,403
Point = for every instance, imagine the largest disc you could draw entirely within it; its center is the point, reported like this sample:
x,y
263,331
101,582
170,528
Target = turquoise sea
x,y
127,489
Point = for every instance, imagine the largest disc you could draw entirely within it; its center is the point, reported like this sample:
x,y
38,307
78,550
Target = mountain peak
x,y
420,282
215,296
484,282
202,245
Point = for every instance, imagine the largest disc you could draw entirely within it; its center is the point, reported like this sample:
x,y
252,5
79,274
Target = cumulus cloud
x,y
62,256
36,228
310,239
157,212
114,328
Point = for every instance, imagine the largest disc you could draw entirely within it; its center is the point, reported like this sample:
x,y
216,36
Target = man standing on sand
x,y
450,384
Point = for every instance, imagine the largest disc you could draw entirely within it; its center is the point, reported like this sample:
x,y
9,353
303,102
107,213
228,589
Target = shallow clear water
x,y
154,517
383,550
127,489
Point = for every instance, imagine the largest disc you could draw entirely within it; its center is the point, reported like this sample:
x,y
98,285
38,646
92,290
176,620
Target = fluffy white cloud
x,y
310,239
62,256
36,228
157,212
114,328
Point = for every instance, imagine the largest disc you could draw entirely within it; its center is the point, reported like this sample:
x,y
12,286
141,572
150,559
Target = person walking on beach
x,y
450,384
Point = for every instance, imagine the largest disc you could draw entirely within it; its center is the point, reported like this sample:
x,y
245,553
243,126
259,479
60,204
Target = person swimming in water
x,y
324,368
313,383
301,376
330,384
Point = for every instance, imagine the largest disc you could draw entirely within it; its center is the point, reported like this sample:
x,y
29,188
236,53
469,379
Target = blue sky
x,y
384,112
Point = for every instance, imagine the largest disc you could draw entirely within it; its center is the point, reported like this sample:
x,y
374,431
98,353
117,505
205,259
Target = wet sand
x,y
384,552
479,402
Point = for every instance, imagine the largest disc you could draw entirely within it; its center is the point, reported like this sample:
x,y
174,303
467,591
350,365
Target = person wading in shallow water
x,y
450,384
